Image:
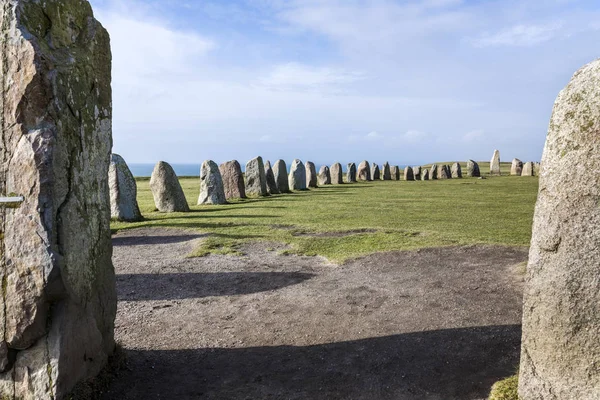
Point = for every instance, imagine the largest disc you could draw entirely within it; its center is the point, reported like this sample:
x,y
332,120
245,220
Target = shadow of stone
x,y
150,240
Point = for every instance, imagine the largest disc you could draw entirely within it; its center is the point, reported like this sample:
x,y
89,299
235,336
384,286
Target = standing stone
x,y
375,172
123,191
297,177
337,175
517,167
166,189
233,180
433,172
364,171
444,172
417,173
456,170
271,183
324,176
386,173
351,173
425,175
528,169
311,175
560,357
495,164
536,168
211,184
473,169
281,176
395,173
256,178
409,174
58,282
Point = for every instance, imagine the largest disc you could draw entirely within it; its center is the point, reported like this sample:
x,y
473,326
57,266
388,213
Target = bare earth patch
x,y
430,324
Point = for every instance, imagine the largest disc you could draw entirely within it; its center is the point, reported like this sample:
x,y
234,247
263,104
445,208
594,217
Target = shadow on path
x,y
150,240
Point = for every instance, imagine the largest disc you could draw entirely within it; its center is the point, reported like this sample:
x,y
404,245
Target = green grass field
x,y
392,215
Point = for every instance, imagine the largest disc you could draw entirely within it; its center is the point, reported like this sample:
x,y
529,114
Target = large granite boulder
x,y
528,169
297,176
473,169
211,184
560,357
386,173
271,182
256,178
324,176
456,170
425,174
375,172
364,171
281,176
495,164
351,173
516,168
166,189
58,282
409,175
311,175
417,172
443,172
337,175
123,191
233,180
433,172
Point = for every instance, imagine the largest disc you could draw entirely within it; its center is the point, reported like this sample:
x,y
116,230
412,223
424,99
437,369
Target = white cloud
x,y
472,136
374,136
520,35
413,136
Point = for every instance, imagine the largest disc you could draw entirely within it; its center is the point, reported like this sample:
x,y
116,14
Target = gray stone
x,y
495,164
337,175
281,176
386,173
443,172
351,173
473,169
425,175
517,167
364,171
433,172
560,357
311,175
123,191
395,173
417,172
166,189
211,184
536,168
324,176
297,176
409,174
233,180
456,170
375,172
271,182
59,299
528,169
256,178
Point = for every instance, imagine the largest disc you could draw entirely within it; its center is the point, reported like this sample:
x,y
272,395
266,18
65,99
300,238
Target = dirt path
x,y
432,324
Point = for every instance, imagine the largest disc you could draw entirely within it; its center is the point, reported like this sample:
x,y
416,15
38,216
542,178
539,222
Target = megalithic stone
x,y
456,170
409,175
516,168
324,176
166,189
281,176
123,191
256,178
560,356
364,171
528,169
297,176
495,164
433,172
337,175
311,175
233,180
351,173
271,183
59,299
211,184
417,173
473,169
375,172
395,172
386,173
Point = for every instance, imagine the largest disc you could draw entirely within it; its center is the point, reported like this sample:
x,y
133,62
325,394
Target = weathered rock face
x,y
517,167
536,168
417,173
409,174
337,175
351,173
433,172
561,325
375,172
211,184
495,164
311,174
395,173
364,171
528,169
271,183
425,175
324,176
456,170
166,189
123,191
256,178
443,172
473,169
281,176
233,180
297,177
59,300
386,173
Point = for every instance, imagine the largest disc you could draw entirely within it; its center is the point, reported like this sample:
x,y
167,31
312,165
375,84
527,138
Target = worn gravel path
x,y
431,324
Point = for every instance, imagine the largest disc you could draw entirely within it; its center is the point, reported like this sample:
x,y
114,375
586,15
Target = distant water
x,y
145,170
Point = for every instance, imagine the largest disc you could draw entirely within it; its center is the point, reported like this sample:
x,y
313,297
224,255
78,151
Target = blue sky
x,y
341,80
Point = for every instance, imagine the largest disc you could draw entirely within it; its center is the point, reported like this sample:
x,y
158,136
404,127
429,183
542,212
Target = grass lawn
x,y
381,216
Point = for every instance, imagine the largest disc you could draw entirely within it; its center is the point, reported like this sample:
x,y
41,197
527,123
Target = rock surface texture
x,y
517,167
324,176
364,171
456,170
473,169
561,324
256,178
528,169
271,183
443,172
281,176
166,189
211,184
311,175
123,191
337,175
495,164
59,299
351,173
233,180
297,177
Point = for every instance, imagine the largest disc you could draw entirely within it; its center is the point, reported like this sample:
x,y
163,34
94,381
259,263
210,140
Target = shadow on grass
x,y
445,364
150,240
140,287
